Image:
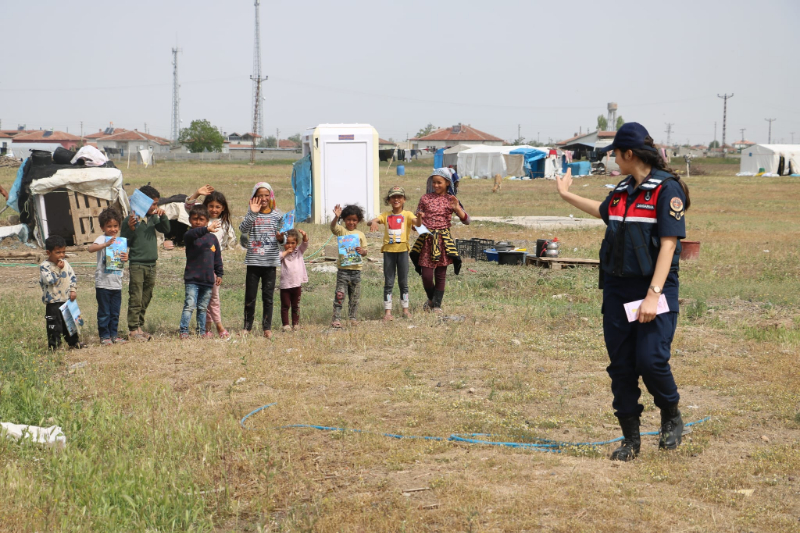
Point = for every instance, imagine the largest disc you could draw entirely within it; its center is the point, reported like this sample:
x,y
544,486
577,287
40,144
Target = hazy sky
x,y
399,65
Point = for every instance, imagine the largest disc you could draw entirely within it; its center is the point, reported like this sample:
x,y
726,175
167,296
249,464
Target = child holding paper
x,y
352,247
58,283
143,256
107,277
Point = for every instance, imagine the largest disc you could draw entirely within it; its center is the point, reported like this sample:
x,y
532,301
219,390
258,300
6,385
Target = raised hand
x,y
304,234
453,202
255,205
205,190
337,210
132,222
564,182
214,226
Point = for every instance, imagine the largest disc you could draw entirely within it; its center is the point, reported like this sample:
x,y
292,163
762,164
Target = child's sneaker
x,y
184,336
287,328
296,327
120,340
224,335
106,342
77,346
208,335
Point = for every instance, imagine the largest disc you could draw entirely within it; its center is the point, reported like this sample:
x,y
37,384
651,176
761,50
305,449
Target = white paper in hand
x,y
421,229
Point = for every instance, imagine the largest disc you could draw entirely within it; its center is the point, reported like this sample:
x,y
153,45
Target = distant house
x,y
67,140
286,144
386,145
126,142
740,145
5,143
458,134
582,144
104,133
244,141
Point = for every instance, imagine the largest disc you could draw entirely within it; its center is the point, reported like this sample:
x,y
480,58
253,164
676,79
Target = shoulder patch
x,y
676,204
615,201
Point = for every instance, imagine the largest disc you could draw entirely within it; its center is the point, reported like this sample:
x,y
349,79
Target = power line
x,y
770,120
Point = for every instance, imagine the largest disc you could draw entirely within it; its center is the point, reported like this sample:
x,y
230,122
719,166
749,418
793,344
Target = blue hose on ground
x,y
543,445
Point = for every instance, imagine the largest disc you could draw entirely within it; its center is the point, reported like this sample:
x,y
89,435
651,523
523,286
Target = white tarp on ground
x,y
768,156
52,436
483,161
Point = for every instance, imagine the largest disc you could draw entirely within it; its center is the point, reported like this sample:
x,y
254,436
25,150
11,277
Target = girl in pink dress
x,y
434,251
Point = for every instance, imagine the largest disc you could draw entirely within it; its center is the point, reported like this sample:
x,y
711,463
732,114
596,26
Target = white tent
x,y
487,161
768,157
450,156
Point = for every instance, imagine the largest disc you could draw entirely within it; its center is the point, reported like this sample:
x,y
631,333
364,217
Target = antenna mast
x,y
258,121
176,98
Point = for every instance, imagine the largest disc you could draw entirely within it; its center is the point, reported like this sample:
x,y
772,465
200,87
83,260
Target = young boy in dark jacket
x,y
203,261
142,257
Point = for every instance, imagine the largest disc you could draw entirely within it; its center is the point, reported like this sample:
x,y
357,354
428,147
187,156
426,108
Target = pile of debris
x,y
7,161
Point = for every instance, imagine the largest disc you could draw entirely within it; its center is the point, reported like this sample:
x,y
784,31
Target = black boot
x,y
632,442
671,428
437,299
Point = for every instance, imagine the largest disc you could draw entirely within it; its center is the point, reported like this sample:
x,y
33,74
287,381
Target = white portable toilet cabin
x,y
344,168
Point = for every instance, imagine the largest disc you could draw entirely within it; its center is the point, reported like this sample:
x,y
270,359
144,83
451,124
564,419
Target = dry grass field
x,y
154,435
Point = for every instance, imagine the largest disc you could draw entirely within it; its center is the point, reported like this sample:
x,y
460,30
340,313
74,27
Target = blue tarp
x,y
580,168
438,158
303,188
534,161
13,194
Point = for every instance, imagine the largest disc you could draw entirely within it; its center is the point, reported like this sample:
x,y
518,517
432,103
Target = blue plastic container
x,y
401,170
492,255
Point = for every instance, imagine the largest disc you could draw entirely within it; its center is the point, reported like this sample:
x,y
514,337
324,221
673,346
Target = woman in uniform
x,y
639,259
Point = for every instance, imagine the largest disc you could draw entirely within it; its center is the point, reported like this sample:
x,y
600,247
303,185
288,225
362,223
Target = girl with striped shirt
x,y
262,225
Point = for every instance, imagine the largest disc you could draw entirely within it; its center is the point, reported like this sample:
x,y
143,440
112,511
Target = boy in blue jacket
x,y
203,260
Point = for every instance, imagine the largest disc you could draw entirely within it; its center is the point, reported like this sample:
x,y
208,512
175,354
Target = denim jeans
x,y
108,305
197,297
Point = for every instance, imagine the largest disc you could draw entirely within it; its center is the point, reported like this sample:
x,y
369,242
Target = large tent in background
x,y
450,155
782,159
483,161
537,164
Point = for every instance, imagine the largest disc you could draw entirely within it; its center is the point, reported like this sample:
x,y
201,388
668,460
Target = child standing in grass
x,y
293,275
108,283
217,206
348,276
203,269
434,251
398,223
58,282
262,225
143,257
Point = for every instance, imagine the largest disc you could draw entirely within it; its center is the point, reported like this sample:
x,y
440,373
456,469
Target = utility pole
x,y
715,130
145,128
176,98
518,130
668,131
770,120
724,117
792,137
81,130
742,130
277,138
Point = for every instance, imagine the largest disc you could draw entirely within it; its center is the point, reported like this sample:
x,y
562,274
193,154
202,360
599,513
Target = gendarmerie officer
x,y
639,259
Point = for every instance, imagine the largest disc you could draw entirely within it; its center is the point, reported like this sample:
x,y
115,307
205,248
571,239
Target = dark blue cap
x,y
629,137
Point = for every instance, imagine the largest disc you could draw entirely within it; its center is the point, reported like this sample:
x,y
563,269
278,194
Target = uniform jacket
x,y
637,219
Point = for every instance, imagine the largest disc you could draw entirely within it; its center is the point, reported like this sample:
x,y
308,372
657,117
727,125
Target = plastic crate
x,y
480,246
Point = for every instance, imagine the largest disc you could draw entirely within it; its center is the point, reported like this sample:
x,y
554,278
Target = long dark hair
x,y
655,160
217,196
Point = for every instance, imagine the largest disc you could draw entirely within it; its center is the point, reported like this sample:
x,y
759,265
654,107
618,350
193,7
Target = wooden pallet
x,y
557,263
84,210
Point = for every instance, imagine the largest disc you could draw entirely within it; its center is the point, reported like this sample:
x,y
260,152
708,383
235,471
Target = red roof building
x,y
67,140
458,134
127,141
287,144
